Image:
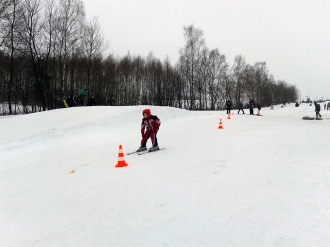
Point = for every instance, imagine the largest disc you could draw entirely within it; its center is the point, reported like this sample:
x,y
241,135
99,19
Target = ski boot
x,y
154,148
142,148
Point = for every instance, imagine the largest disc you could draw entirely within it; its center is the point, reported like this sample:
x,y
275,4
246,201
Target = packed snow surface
x,y
259,181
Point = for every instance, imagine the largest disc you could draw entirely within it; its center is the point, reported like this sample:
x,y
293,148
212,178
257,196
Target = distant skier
x,y
228,105
317,109
259,108
240,107
149,128
252,106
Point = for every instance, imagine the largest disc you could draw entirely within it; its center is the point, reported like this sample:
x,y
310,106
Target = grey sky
x,y
291,36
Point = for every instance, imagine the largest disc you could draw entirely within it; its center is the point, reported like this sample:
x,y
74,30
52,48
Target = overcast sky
x,y
291,36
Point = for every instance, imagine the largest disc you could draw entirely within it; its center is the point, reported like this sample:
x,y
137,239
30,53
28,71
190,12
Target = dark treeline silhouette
x,y
49,52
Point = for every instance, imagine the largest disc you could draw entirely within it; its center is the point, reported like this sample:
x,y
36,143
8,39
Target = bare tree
x,y
48,50
31,34
170,88
203,78
5,13
137,77
190,61
261,77
4,6
10,42
153,80
48,44
218,70
237,72
70,25
94,45
250,84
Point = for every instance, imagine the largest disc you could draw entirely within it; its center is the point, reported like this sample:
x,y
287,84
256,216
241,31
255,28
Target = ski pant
x,y
228,110
318,114
251,111
240,110
153,136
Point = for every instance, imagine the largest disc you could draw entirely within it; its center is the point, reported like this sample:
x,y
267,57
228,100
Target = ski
x,y
148,151
135,152
132,153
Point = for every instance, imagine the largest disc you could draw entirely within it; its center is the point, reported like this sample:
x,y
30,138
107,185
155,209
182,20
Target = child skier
x,y
149,128
259,108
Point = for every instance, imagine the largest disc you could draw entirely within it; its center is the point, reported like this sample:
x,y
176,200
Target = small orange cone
x,y
220,124
121,159
228,116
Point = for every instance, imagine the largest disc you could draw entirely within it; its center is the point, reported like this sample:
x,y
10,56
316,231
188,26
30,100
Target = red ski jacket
x,y
150,123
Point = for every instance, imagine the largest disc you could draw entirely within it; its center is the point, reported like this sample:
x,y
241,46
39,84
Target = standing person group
x,y
251,104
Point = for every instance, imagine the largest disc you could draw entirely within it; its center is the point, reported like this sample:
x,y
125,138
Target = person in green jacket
x,y
82,95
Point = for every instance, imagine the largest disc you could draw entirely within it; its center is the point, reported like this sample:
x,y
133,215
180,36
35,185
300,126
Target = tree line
x,y
49,51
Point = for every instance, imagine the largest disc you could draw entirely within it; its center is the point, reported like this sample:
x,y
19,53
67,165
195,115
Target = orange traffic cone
x,y
121,159
220,124
228,116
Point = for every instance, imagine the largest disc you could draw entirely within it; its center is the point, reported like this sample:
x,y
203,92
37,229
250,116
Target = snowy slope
x,y
261,181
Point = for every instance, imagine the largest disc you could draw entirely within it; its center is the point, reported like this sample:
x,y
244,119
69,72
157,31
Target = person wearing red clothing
x,y
149,128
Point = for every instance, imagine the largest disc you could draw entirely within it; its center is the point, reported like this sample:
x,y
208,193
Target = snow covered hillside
x,y
260,181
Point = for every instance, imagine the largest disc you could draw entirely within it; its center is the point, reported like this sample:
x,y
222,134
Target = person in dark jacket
x,y
60,104
317,109
111,101
252,106
228,106
91,101
72,101
82,95
149,128
240,107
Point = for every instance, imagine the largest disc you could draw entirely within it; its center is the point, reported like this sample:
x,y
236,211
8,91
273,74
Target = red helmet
x,y
146,111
